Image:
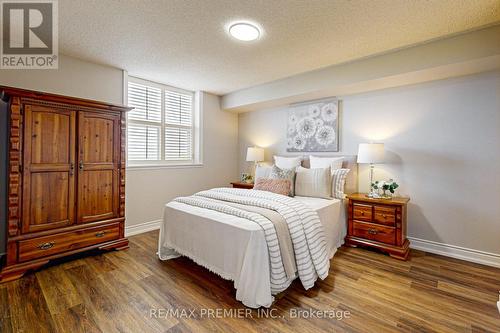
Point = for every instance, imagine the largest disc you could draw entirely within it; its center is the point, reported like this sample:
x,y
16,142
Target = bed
x,y
236,248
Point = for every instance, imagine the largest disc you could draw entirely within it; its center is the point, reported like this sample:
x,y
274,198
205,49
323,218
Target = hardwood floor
x,y
118,292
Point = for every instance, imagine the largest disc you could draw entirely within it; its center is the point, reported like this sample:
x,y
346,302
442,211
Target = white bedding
x,y
235,248
332,216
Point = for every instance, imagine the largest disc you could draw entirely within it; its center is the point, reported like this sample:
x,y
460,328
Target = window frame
x,y
196,130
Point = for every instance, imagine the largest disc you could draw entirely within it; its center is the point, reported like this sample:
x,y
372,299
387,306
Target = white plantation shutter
x,y
161,125
178,108
146,102
178,142
143,142
178,126
143,139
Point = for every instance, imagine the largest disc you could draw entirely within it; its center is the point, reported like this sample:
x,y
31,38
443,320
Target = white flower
x,y
306,127
319,123
299,143
314,111
329,112
325,135
292,119
291,130
290,143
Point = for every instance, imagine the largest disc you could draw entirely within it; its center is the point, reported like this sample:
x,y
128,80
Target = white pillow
x,y
324,162
287,162
313,183
262,171
338,182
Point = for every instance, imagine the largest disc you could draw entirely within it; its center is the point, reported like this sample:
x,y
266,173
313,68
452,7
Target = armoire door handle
x,y
72,169
81,165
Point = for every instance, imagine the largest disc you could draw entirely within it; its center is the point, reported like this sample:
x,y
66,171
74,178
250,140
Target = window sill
x,y
162,166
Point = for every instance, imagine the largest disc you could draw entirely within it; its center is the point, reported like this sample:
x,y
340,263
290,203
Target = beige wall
x,y
442,141
74,77
149,190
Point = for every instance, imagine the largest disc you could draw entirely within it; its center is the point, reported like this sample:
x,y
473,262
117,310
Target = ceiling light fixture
x,y
244,31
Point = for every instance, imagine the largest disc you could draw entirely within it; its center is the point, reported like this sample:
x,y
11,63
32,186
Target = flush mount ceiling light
x,y
244,31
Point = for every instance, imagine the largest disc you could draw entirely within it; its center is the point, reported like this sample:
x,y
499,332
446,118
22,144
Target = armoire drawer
x,y
48,245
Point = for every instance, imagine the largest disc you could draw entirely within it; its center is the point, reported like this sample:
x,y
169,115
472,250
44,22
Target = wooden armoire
x,y
65,179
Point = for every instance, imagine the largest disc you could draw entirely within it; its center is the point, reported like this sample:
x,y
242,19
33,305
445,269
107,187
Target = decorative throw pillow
x,y
262,171
338,182
313,183
324,162
287,162
279,186
279,173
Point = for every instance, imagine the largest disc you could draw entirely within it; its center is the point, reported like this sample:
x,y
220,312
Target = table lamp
x,y
256,155
371,153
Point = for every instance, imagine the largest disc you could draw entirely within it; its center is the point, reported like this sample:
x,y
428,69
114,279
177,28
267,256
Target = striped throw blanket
x,y
306,231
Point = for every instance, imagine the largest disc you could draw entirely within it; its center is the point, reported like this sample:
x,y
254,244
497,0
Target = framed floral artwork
x,y
313,127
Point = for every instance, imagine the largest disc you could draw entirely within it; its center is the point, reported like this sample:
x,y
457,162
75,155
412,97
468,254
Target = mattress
x,y
235,248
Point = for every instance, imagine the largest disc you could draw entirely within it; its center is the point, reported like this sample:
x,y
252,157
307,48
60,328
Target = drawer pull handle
x,y
46,246
100,234
362,213
372,231
384,216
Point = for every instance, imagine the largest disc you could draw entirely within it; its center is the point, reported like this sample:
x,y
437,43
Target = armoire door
x,y
49,168
98,164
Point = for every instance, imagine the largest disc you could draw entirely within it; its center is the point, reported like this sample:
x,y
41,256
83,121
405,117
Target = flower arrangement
x,y
246,178
389,185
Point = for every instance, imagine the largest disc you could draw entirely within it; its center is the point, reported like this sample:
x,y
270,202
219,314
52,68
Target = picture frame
x,y
314,126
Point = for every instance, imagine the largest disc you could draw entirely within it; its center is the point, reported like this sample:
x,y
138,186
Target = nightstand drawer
x,y
384,215
374,232
362,212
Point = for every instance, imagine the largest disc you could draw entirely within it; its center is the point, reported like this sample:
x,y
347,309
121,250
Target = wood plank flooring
x,y
119,292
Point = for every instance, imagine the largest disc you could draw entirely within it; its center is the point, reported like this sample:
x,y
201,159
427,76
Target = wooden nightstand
x,y
242,185
378,223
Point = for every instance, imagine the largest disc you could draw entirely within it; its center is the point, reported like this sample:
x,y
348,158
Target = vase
x,y
386,194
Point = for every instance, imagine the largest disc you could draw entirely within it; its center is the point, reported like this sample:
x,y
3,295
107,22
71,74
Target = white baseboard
x,y
140,228
453,251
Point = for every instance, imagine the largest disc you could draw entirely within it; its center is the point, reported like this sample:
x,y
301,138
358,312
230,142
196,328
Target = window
x,y
162,128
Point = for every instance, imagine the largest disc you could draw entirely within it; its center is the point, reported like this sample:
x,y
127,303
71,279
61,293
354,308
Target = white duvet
x,y
239,245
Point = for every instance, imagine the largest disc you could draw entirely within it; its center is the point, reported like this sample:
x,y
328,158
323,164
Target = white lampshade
x,y
255,154
371,153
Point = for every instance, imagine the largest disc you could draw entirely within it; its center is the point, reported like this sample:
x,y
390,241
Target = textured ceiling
x,y
184,42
